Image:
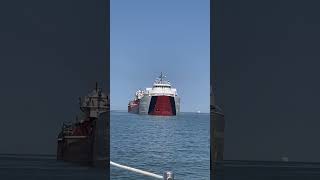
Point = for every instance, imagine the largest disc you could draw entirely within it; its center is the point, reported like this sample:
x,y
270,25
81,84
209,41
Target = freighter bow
x,y
162,99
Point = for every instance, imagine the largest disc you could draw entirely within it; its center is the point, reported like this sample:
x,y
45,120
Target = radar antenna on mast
x,y
161,77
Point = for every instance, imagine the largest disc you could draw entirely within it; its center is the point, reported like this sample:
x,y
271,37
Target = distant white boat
x,y
198,111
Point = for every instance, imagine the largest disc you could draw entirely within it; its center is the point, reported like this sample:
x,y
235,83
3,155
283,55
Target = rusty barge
x,y
86,140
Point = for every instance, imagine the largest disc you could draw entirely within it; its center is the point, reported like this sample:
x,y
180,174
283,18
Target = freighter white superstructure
x,y
161,99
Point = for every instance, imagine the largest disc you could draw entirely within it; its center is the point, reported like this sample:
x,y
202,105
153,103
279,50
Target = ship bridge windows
x,y
161,87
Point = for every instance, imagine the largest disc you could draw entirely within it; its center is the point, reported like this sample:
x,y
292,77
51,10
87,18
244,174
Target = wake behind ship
x,y
161,100
85,141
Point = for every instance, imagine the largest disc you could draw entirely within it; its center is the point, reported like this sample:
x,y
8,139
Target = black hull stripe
x,y
173,105
152,104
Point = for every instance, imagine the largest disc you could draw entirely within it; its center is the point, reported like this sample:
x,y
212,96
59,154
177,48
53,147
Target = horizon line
x,y
180,111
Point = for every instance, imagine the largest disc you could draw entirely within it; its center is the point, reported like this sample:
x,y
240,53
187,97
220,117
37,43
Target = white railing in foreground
x,y
167,175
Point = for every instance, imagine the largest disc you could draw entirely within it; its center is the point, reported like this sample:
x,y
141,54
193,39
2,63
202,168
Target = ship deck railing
x,y
167,175
75,137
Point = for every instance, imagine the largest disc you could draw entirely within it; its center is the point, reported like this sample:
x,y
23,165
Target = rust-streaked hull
x,y
88,150
76,150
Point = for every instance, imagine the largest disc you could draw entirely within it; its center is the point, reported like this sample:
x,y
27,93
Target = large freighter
x,y
161,99
85,141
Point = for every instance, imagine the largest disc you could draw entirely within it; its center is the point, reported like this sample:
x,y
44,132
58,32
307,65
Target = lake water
x,y
156,144
180,144
40,167
264,170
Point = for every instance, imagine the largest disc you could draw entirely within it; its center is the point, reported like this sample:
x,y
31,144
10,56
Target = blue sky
x,y
152,36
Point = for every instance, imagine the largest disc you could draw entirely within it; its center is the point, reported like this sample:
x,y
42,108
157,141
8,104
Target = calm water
x,y
40,167
179,143
156,144
263,170
44,167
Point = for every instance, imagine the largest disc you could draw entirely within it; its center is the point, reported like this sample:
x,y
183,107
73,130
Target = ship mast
x,y
162,78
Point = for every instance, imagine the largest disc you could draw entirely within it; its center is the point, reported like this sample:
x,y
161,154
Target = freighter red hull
x,y
162,106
